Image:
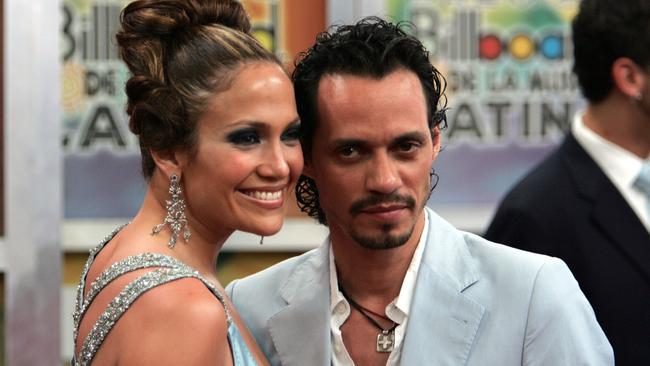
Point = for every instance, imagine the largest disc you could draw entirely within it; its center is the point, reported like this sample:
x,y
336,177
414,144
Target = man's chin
x,y
383,240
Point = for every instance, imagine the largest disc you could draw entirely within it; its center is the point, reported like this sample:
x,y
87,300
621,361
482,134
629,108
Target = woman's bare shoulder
x,y
180,322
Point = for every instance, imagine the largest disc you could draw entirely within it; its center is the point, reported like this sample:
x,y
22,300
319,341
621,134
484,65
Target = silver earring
x,y
261,239
638,97
175,214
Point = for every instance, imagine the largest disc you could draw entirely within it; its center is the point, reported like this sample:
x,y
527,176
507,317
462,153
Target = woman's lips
x,y
270,199
264,195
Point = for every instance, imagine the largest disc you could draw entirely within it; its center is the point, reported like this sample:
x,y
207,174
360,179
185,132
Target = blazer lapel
x,y
443,322
610,212
300,331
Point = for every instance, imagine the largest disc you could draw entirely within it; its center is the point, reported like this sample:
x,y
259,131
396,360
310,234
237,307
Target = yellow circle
x,y
265,38
521,47
73,96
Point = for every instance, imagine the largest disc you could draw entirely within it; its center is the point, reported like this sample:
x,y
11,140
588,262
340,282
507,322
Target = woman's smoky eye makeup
x,y
292,133
252,135
244,136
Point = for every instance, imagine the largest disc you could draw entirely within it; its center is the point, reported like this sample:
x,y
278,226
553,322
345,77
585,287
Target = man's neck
x,y
373,275
619,121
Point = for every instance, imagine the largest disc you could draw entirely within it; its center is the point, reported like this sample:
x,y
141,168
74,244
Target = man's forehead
x,y
366,93
338,83
380,133
368,108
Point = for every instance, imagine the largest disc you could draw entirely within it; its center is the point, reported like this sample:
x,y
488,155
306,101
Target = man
x,y
585,203
395,284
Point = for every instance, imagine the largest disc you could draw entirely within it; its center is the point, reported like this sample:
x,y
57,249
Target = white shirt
x,y
397,310
619,165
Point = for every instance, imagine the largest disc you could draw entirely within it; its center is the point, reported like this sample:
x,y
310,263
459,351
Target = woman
x,y
218,131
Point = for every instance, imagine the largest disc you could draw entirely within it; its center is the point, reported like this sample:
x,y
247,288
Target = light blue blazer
x,y
475,303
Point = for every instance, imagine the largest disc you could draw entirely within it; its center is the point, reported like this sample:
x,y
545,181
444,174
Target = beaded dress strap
x,y
127,296
93,253
128,264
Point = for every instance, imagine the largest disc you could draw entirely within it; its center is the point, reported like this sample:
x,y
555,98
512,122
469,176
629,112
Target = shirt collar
x,y
398,309
403,301
621,166
336,296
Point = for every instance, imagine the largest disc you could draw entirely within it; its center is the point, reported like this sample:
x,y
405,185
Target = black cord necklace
x,y
385,339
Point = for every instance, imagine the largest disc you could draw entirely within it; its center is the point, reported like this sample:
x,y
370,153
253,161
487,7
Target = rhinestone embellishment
x,y
169,269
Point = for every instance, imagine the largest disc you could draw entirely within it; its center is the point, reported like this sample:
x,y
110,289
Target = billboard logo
x,y
521,46
464,38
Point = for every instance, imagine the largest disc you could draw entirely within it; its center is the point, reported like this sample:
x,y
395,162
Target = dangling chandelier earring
x,y
175,214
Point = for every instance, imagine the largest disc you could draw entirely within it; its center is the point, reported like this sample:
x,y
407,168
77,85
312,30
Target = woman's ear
x,y
167,162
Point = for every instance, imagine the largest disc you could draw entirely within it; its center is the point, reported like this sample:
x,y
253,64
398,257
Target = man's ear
x,y
168,162
308,169
435,136
628,77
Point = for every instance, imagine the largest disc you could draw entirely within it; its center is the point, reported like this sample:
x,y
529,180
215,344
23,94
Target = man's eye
x,y
348,152
407,147
244,138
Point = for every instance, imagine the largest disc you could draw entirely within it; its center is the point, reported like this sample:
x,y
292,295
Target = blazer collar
x,y
441,314
610,212
300,331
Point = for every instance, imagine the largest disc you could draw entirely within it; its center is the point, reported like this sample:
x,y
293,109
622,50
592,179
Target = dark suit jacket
x,y
567,208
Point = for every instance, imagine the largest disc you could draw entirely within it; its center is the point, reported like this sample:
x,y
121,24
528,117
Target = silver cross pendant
x,y
385,341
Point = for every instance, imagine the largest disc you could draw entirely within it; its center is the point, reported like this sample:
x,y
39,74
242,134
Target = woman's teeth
x,y
265,196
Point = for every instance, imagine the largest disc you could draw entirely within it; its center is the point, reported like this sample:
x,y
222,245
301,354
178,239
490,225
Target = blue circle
x,y
552,47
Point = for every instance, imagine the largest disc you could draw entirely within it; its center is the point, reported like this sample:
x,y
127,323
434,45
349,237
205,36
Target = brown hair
x,y
180,52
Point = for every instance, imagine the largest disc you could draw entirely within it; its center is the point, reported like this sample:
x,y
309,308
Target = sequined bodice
x,y
167,269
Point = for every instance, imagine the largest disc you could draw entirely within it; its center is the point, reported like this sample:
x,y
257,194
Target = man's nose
x,y
382,175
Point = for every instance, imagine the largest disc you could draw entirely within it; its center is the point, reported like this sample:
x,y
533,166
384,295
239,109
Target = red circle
x,y
489,47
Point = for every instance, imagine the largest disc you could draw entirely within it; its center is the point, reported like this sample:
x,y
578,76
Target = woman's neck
x,y
200,251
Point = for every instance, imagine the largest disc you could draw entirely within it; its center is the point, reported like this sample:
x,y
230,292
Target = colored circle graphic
x,y
489,47
265,38
521,47
73,97
552,47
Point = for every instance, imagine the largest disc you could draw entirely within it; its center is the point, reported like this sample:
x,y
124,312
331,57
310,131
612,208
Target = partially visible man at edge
x,y
587,203
395,284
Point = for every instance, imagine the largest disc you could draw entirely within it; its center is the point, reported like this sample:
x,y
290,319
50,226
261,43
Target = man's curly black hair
x,y
374,48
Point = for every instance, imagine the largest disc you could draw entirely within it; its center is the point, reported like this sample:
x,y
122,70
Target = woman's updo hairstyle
x,y
180,53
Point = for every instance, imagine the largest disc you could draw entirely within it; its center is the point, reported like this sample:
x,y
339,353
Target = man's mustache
x,y
377,199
